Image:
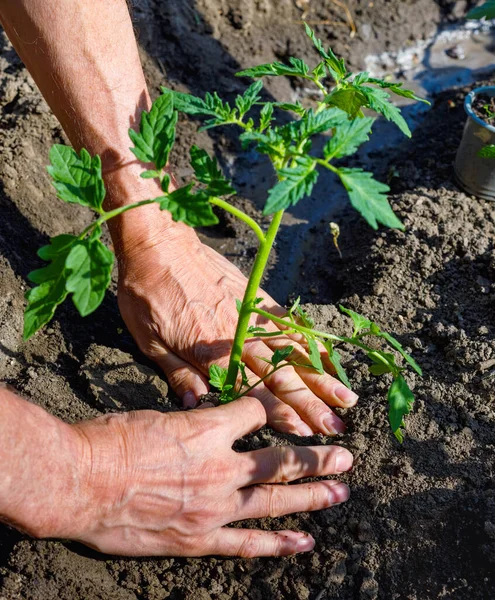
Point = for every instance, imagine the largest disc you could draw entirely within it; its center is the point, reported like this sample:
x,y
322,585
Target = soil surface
x,y
420,523
484,108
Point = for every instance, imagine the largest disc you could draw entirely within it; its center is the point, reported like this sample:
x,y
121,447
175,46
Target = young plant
x,y
81,265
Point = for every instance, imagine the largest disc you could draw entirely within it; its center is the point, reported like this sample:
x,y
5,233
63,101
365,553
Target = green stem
x,y
311,332
249,298
326,164
106,216
240,215
277,368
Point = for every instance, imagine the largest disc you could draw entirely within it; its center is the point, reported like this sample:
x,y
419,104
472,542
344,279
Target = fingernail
x,y
343,460
333,424
305,544
339,493
304,430
189,400
345,395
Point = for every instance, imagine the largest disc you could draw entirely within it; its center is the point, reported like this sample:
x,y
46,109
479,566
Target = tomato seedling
x,y
82,265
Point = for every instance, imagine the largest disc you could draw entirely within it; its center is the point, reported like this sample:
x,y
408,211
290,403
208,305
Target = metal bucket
x,y
474,174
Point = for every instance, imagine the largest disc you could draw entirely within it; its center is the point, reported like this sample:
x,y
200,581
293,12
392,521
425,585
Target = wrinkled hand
x,y
167,484
177,298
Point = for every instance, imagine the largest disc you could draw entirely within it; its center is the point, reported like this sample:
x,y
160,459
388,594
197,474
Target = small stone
x,y
364,531
32,373
337,573
369,589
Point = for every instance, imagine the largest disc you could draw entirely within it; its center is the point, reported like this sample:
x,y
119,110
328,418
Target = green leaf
x,y
314,355
218,376
379,369
347,138
298,182
245,102
320,71
383,362
156,135
394,87
212,105
335,65
304,318
189,104
359,321
487,151
166,180
77,177
335,359
266,116
294,307
253,330
378,100
50,291
89,272
398,346
312,124
238,305
191,208
486,10
281,355
349,100
244,377
207,171
297,67
266,143
369,197
151,174
400,399
296,107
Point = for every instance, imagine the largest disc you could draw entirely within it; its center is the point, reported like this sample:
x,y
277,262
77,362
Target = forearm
x,y
84,58
40,474
85,62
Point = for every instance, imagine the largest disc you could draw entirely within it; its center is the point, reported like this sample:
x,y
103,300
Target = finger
x,y
186,381
277,500
280,415
285,463
241,417
328,388
250,543
286,385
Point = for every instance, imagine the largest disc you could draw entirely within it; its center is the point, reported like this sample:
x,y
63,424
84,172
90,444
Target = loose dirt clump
x,y
420,523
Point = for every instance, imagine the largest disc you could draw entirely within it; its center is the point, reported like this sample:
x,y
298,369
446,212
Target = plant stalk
x,y
106,216
249,297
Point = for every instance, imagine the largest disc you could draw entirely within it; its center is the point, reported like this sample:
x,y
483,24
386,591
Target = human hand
x,y
167,484
177,297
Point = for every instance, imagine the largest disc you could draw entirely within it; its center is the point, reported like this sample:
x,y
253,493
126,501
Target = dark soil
x,y
484,108
420,523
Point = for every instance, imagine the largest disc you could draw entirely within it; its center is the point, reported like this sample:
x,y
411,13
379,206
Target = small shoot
x,y
80,266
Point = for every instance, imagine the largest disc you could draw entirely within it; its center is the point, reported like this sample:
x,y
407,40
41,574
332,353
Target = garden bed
x,y
420,523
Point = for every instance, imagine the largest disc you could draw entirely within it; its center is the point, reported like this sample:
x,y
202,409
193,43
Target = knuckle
x,y
283,459
257,410
250,545
282,379
276,501
314,497
313,407
285,414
